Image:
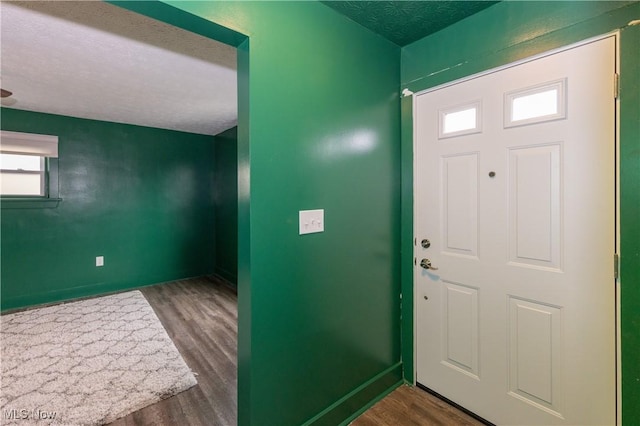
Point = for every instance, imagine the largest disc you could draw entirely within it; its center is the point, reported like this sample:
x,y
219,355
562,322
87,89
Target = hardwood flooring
x,y
200,315
411,406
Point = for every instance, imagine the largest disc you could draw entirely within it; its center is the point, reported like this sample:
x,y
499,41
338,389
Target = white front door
x,y
515,193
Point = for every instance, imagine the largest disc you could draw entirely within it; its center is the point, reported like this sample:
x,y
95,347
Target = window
x,y
461,120
537,104
22,175
28,165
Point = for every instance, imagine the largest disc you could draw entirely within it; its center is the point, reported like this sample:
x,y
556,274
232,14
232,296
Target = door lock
x,y
425,243
426,264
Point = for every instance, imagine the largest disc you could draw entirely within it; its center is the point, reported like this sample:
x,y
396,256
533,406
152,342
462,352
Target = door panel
x,y
460,204
535,353
515,189
460,327
534,203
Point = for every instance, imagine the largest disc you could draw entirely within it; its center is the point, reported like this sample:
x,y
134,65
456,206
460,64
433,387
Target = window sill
x,y
29,203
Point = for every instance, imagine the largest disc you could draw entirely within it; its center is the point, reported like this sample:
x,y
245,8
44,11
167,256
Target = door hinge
x,y
616,86
616,265
415,261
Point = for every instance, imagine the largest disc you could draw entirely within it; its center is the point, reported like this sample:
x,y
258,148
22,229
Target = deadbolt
x,y
425,243
426,264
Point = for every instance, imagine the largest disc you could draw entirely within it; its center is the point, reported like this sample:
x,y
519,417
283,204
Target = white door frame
x,y
616,35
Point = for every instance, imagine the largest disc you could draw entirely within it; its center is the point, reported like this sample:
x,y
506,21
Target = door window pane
x,y
535,105
461,120
545,102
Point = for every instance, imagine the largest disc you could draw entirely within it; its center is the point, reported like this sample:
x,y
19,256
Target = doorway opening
x,y
183,188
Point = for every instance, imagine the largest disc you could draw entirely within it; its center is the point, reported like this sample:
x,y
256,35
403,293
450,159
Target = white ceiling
x,y
95,60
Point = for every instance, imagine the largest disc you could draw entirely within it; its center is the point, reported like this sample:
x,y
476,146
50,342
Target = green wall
x,y
319,125
506,32
629,223
226,204
140,197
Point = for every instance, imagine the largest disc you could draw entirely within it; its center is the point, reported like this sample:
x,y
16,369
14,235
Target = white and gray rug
x,y
87,362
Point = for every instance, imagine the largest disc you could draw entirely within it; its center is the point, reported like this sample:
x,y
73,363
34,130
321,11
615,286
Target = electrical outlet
x,y
99,260
311,221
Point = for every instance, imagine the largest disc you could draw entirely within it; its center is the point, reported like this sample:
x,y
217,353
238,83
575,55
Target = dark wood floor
x,y
201,315
410,406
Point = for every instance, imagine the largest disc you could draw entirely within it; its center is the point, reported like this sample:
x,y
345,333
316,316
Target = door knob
x,y
426,264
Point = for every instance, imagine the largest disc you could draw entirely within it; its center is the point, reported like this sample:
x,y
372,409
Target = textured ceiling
x,y
96,60
404,22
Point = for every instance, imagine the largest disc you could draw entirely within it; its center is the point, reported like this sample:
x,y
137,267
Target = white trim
x,y
28,144
414,126
616,36
406,92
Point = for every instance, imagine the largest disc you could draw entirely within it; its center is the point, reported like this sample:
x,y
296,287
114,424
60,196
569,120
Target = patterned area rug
x,y
87,362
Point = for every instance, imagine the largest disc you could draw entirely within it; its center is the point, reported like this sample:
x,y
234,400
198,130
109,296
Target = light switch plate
x,y
99,260
311,221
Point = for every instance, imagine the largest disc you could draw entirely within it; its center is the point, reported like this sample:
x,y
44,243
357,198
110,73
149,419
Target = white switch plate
x,y
311,221
99,260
